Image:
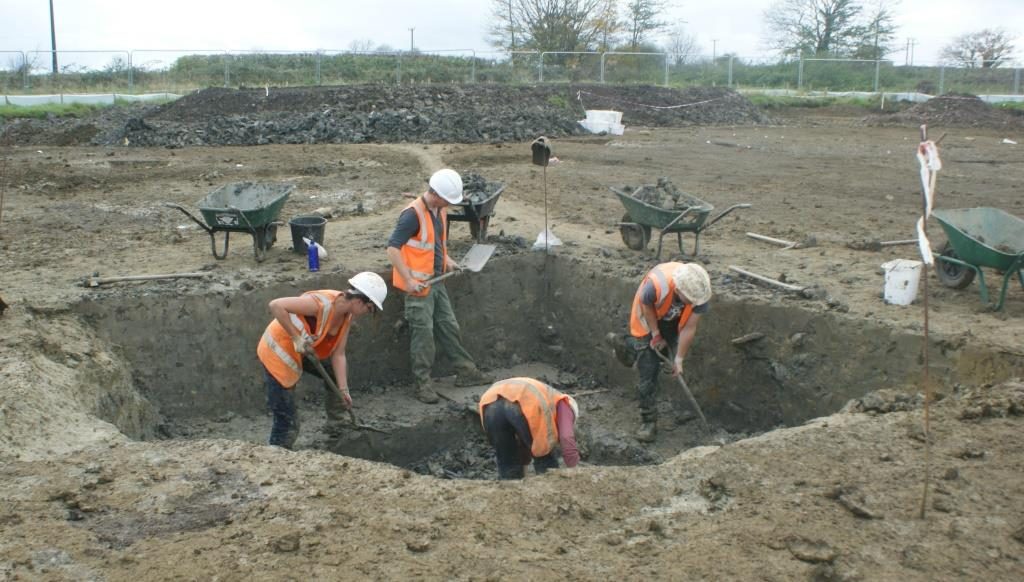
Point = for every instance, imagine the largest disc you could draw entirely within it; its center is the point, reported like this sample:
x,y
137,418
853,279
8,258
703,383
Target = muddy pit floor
x,y
836,498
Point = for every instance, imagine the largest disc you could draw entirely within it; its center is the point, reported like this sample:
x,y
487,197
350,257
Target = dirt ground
x,y
835,499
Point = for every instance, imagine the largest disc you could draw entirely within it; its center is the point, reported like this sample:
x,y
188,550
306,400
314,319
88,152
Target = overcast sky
x,y
439,24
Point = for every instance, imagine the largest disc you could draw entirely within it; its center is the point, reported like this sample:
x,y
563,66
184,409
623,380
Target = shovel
x,y
474,260
686,390
333,386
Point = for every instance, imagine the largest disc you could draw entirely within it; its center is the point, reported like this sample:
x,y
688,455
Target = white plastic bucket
x,y
901,279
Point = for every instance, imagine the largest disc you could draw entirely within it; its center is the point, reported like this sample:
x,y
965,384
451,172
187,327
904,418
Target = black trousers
x,y
648,365
509,434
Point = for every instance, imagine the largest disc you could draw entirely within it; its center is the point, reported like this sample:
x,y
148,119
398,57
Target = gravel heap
x,y
384,114
950,110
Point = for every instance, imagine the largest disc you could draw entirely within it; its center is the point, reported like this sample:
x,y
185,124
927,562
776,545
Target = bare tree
x,y
546,25
879,32
986,49
826,27
361,45
609,24
681,45
643,18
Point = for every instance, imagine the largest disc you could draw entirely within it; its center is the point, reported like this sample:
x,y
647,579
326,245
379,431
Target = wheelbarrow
x,y
641,217
248,207
476,209
976,238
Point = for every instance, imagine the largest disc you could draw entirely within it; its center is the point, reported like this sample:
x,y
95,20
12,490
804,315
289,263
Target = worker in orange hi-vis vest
x,y
526,419
315,324
665,313
418,251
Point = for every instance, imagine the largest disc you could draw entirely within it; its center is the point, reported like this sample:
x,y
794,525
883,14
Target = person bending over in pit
x,y
418,251
526,419
313,325
666,311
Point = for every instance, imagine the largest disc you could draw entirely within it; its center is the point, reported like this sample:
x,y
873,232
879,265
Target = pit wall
x,y
194,355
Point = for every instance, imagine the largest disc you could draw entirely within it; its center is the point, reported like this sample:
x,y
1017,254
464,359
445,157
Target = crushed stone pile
x,y
664,194
382,114
950,110
476,189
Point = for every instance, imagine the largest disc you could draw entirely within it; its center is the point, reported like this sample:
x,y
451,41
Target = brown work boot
x,y
473,377
617,342
647,432
426,394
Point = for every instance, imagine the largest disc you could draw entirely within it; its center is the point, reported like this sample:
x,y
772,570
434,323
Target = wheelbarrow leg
x,y
661,237
1014,268
696,244
213,245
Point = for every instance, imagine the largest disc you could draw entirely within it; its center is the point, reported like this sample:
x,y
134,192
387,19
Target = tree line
x,y
852,29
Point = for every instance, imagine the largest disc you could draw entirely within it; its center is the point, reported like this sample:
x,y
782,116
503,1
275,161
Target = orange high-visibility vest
x,y
418,251
276,351
538,401
665,289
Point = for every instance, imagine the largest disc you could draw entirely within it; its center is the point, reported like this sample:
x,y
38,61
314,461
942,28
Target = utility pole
x,y
412,43
53,40
912,43
714,50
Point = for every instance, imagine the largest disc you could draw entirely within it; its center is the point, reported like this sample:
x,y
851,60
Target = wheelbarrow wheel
x,y
636,236
951,274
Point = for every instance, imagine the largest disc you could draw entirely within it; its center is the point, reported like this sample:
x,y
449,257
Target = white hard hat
x,y
693,283
448,185
575,408
372,285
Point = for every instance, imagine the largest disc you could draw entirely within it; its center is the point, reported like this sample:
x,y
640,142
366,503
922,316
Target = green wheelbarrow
x,y
640,217
980,237
248,207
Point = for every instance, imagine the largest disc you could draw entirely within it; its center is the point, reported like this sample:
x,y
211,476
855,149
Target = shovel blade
x,y
477,257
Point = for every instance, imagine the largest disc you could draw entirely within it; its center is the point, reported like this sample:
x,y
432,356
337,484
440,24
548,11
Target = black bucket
x,y
311,227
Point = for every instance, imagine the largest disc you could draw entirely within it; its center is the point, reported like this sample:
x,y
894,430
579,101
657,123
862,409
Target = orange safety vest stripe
x,y
418,252
537,401
276,351
665,290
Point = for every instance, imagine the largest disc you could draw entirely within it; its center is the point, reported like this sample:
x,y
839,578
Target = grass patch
x,y
47,110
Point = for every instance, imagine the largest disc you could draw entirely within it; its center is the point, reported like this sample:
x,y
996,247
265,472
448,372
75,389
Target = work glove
x,y
302,344
658,343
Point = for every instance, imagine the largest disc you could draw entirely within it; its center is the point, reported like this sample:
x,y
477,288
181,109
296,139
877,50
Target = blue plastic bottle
x,y
313,256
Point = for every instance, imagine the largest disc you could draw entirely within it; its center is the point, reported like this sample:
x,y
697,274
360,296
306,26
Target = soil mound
x,y
387,114
950,110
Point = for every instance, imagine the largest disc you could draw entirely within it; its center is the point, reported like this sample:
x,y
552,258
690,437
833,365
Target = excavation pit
x,y
754,366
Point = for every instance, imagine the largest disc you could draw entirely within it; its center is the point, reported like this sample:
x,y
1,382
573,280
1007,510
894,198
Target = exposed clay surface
x,y
90,490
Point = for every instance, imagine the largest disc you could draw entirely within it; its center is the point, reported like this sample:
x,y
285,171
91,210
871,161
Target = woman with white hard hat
x,y
418,251
315,324
525,419
666,311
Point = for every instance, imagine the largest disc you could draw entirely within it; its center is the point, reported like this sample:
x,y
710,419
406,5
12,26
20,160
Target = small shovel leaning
x,y
686,390
333,386
475,259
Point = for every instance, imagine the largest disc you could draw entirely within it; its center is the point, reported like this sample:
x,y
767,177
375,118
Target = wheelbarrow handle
x,y
201,224
722,215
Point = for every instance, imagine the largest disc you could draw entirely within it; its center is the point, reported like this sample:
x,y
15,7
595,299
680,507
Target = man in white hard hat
x,y
418,251
666,311
315,324
525,419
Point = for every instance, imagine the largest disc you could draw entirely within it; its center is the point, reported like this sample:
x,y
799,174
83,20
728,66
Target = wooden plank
x,y
767,280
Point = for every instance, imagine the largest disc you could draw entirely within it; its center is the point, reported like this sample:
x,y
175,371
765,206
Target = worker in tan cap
x,y
666,311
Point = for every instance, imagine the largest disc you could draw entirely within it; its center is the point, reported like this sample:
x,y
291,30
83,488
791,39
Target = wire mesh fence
x,y
179,71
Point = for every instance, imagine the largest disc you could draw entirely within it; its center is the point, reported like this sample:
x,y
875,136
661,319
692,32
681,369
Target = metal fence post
x,y
800,74
1016,81
24,70
942,79
730,71
398,68
131,76
878,68
227,69
602,65
319,56
472,68
540,69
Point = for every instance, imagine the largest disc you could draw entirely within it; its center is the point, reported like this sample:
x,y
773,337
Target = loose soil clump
x,y
950,110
